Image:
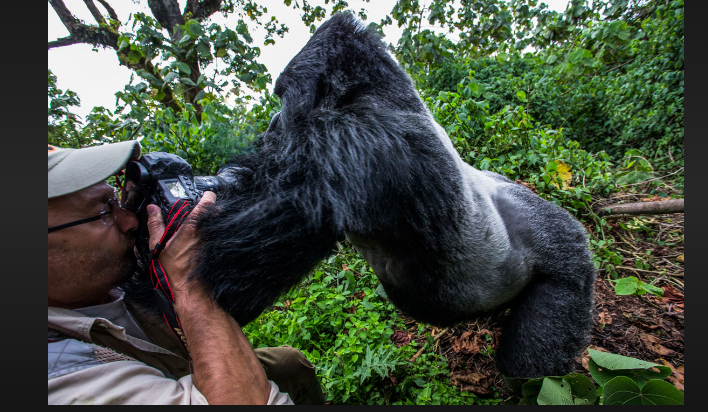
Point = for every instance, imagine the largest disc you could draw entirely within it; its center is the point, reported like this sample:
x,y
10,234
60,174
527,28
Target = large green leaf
x,y
659,392
624,391
616,362
555,391
582,388
572,389
606,366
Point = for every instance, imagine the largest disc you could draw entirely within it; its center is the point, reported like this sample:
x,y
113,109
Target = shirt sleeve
x,y
123,383
278,398
131,382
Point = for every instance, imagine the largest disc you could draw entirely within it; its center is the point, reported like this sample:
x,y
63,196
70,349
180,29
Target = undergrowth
x,y
339,320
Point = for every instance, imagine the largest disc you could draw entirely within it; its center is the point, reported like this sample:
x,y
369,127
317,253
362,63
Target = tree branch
x,y
167,13
202,9
64,14
64,41
95,13
108,37
109,9
82,33
643,208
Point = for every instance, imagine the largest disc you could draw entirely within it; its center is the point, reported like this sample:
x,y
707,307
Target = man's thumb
x,y
156,227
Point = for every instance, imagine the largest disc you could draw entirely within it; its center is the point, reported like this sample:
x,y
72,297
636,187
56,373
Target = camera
x,y
163,179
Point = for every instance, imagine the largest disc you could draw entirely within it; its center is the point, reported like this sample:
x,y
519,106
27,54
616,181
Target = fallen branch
x,y
420,351
640,270
642,208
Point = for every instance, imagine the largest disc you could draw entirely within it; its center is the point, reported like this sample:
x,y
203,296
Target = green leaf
x,y
615,362
204,50
582,388
183,67
179,89
659,392
194,29
626,286
200,95
149,77
624,391
187,81
652,289
221,52
170,76
555,391
606,366
578,54
521,95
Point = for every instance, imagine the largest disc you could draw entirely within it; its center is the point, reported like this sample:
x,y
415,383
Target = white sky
x,y
96,75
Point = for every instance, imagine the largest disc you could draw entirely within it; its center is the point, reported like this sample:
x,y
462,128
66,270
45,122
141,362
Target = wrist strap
x,y
163,291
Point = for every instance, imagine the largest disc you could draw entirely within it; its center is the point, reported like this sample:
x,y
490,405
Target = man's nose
x,y
126,220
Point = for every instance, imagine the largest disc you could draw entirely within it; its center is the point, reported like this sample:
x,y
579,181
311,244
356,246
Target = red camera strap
x,y
163,291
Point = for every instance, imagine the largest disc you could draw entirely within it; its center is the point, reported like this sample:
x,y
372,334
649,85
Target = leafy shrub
x,y
622,381
343,325
509,142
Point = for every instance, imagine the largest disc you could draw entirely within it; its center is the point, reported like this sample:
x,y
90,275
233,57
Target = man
x,y
105,348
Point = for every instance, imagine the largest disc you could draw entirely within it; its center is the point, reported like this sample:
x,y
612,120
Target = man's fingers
x,y
155,224
207,200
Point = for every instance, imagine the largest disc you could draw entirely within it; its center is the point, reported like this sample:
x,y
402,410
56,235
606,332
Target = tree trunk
x,y
642,208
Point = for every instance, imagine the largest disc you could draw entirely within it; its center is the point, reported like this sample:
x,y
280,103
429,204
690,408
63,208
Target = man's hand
x,y
176,257
226,370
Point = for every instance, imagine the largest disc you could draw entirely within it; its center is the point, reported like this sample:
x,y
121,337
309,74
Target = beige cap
x,y
71,170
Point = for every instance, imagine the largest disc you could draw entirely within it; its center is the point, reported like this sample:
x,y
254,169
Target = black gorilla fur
x,y
355,152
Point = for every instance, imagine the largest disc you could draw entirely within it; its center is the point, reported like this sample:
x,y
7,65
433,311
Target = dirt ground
x,y
646,327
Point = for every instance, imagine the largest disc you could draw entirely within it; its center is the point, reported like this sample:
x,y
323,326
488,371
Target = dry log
x,y
642,208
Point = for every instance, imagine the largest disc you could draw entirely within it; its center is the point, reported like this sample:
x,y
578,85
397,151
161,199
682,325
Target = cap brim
x,y
82,168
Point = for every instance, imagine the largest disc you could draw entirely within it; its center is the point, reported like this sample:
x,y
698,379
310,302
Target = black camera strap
x,y
163,291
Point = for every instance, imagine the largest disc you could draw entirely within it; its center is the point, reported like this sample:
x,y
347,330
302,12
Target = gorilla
x,y
355,153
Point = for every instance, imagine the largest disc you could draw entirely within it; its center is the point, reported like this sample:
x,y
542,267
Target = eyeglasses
x,y
106,215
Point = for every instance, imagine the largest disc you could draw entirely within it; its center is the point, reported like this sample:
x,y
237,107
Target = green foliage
x,y
612,80
630,285
509,142
63,125
343,326
622,381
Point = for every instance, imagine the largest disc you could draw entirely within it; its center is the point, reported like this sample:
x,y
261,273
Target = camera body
x,y
162,179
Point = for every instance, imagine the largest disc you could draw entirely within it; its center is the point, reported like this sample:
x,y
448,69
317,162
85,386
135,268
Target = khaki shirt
x,y
93,361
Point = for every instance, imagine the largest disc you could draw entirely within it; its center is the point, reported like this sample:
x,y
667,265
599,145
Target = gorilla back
x,y
355,152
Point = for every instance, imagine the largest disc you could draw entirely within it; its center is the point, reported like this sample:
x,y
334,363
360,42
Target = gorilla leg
x,y
547,328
